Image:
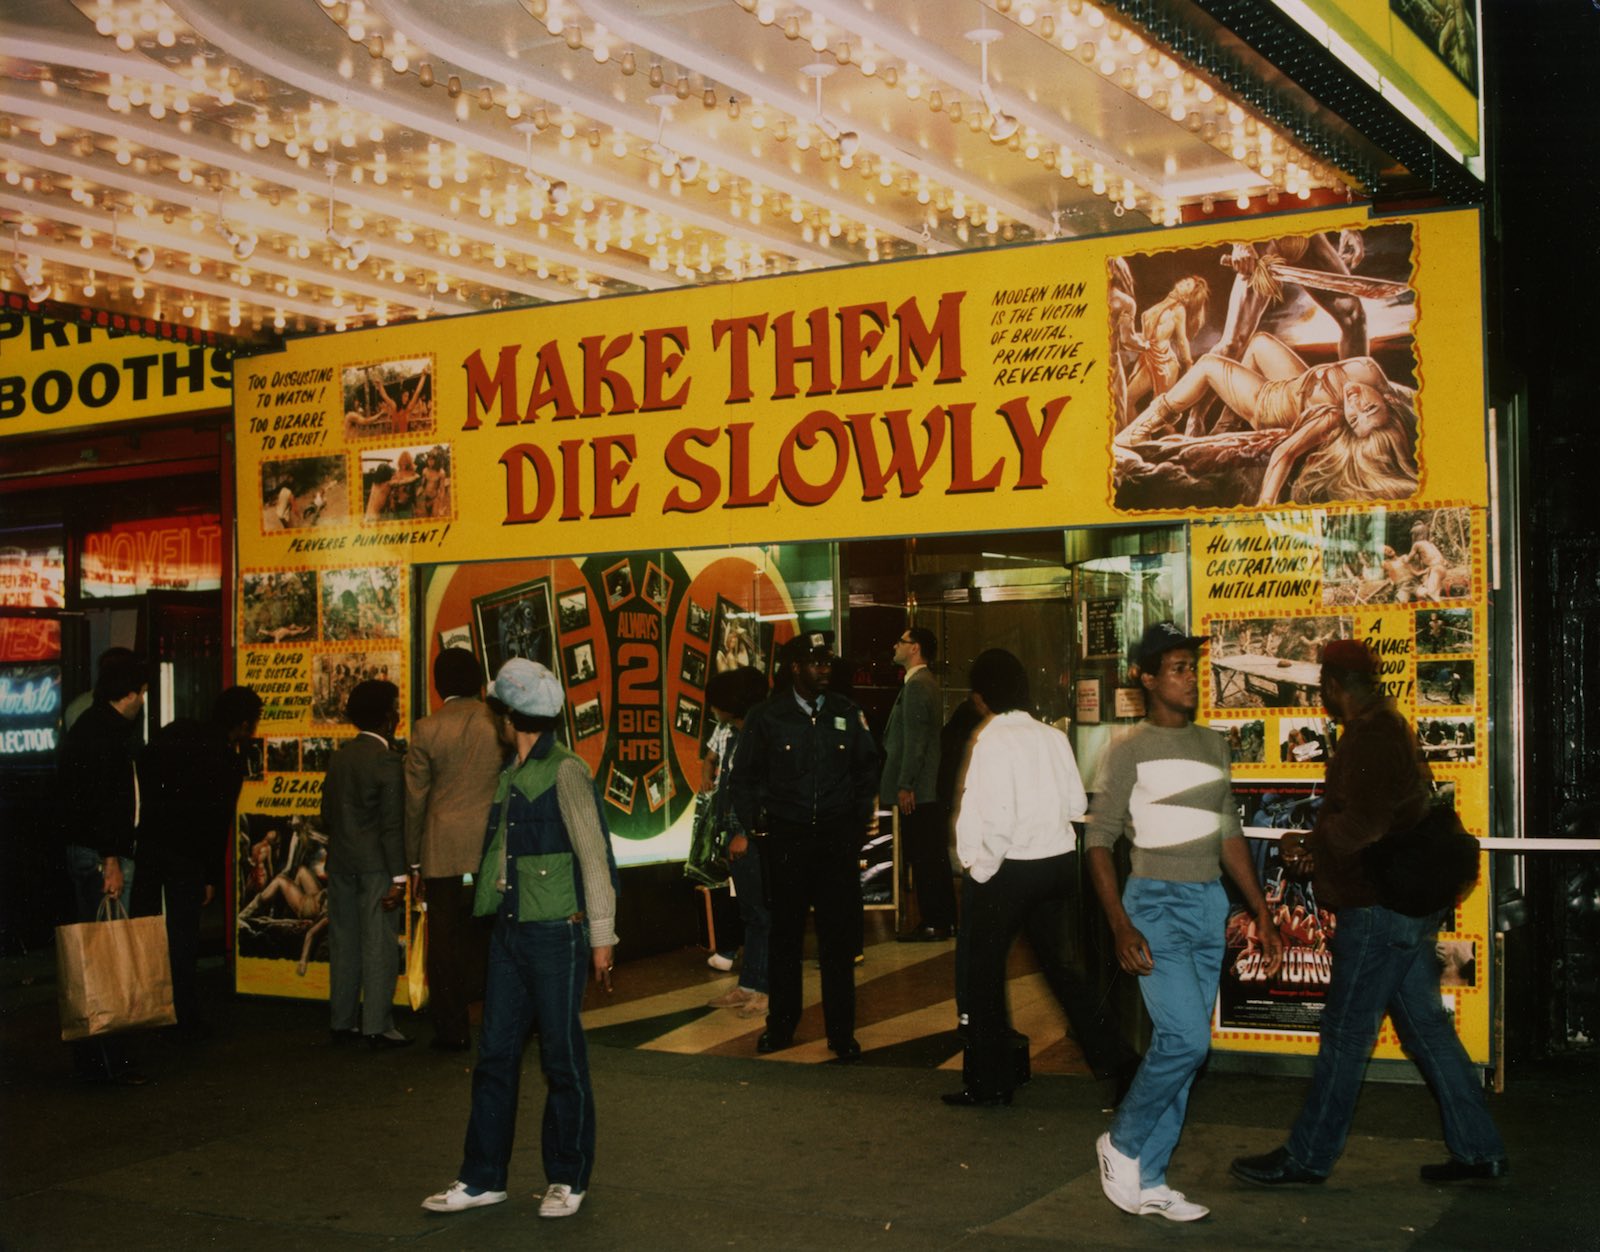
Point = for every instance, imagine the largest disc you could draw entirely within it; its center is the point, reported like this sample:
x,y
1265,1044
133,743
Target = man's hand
x,y
209,896
908,800
737,847
1271,943
393,897
417,890
604,959
111,873
1133,953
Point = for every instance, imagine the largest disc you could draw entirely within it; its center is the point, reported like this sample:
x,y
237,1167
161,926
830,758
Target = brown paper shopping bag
x,y
113,973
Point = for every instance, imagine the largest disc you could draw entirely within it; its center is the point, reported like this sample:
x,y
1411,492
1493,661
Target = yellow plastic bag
x,y
417,957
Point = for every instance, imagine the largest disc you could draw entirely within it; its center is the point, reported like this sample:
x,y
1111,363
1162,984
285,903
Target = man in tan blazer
x,y
452,768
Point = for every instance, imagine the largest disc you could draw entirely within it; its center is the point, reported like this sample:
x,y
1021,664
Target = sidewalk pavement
x,y
267,1137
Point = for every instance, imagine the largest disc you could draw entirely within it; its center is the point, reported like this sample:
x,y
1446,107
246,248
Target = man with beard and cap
x,y
1384,961
805,775
548,878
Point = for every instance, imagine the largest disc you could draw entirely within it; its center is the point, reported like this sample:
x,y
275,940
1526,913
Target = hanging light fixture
x,y
685,166
142,257
354,247
1002,125
849,141
555,190
31,271
241,244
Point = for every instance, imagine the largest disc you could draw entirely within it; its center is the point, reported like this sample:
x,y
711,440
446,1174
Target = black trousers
x,y
819,868
183,883
458,955
925,839
1025,897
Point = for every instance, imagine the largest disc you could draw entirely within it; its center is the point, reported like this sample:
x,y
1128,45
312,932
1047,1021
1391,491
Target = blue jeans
x,y
1183,924
752,898
1383,960
537,973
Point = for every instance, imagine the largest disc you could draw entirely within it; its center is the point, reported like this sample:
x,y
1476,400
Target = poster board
x,y
1324,360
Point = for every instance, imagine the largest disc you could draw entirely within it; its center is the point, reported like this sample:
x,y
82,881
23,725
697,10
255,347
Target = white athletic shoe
x,y
560,1200
456,1197
1173,1205
722,964
1119,1175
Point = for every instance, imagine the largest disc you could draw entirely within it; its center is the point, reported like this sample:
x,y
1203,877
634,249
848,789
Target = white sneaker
x,y
1119,1175
1173,1205
560,1200
722,964
456,1197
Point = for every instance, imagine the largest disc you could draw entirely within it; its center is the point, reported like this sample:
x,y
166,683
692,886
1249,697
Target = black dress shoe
x,y
846,1053
773,1041
1273,1169
1459,1171
965,1099
382,1043
342,1037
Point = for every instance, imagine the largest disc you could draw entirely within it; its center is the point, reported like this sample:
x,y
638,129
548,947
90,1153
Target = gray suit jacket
x,y
911,742
363,809
452,769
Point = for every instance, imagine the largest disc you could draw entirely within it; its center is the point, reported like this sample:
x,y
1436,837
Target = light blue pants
x,y
1183,924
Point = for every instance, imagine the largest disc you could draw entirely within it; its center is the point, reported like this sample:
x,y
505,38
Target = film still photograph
x,y
282,889
1306,740
1247,739
578,661
587,719
657,587
686,720
658,786
692,670
620,788
697,621
572,609
334,676
1445,682
315,754
279,607
361,603
516,621
283,756
1444,632
388,398
1279,371
739,637
1458,962
618,580
1397,556
1448,740
1271,662
405,484
304,491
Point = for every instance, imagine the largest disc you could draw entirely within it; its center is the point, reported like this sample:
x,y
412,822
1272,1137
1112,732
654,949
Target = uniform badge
x,y
840,724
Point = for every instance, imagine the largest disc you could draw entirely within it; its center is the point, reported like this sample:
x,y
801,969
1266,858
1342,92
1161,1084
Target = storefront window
x,y
32,567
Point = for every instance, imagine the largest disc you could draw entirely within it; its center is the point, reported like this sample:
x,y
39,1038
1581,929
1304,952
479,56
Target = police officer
x,y
806,774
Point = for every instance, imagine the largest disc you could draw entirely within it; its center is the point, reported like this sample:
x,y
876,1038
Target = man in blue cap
x,y
805,775
549,880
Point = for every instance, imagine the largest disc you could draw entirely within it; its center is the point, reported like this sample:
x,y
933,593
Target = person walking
x,y
1383,961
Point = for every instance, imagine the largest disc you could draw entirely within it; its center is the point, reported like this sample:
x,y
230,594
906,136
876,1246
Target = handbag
x,y
417,956
706,864
1425,868
113,973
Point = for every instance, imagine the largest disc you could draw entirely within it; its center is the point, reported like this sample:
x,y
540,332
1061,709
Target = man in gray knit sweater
x,y
1170,783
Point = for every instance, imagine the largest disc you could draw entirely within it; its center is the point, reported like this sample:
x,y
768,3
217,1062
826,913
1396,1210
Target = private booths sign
x,y
1230,372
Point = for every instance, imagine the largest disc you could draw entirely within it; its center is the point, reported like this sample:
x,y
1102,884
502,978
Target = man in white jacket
x,y
1015,839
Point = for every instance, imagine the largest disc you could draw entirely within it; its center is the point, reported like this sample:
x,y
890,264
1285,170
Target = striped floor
x,y
905,1009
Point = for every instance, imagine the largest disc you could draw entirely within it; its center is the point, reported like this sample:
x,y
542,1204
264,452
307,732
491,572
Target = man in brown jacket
x,y
451,771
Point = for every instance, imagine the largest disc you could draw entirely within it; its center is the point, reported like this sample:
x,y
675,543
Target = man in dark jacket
x,y
363,811
806,774
1383,961
100,813
189,776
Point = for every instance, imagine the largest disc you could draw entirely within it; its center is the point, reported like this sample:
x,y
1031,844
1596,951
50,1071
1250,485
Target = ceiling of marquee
x,y
294,164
